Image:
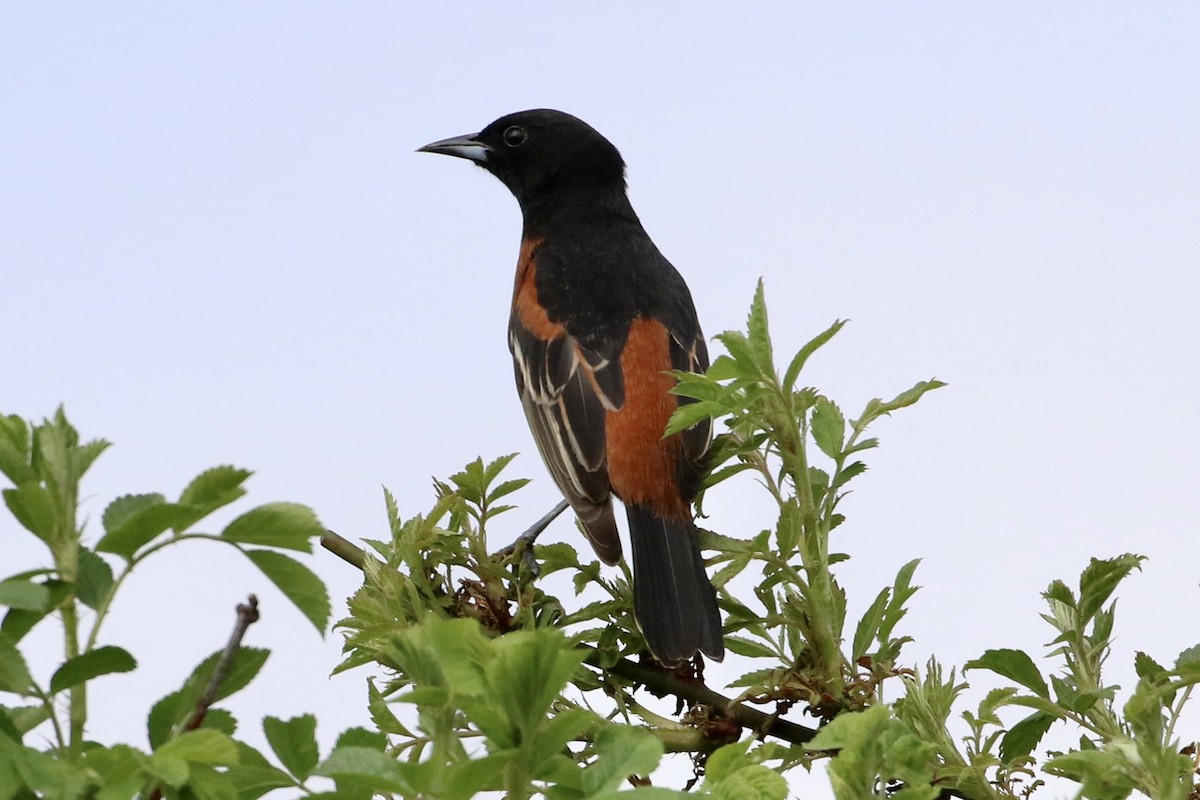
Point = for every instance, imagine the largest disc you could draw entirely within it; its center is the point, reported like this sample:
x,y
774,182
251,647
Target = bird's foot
x,y
524,542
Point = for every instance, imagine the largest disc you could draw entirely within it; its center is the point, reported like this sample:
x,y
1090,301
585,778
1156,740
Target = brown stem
x,y
247,615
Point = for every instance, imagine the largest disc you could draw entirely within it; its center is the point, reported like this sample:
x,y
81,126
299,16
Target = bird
x,y
599,317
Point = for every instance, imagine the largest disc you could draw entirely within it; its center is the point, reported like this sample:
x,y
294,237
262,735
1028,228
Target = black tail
x,y
673,600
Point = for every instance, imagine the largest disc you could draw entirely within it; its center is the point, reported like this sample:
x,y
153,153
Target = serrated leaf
x,y
1024,736
1147,667
294,742
298,583
910,396
753,782
17,622
727,759
1188,657
220,720
15,442
1101,578
85,667
24,594
723,368
689,414
1060,593
134,521
361,737
253,776
210,490
828,427
758,332
621,751
805,352
506,488
179,706
849,473
94,579
369,768
244,665
203,746
749,647
1015,665
32,506
381,713
287,525
868,626
14,673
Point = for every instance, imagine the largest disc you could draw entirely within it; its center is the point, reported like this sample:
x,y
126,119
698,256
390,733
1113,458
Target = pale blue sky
x,y
217,246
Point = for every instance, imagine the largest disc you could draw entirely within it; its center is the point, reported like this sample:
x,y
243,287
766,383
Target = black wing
x,y
565,390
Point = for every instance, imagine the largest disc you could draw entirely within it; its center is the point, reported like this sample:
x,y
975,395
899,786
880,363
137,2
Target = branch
x,y
662,681
656,679
247,615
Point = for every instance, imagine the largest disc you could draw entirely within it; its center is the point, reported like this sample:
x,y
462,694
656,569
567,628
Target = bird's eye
x,y
515,136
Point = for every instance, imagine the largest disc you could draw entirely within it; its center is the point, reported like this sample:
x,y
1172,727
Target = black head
x,y
540,155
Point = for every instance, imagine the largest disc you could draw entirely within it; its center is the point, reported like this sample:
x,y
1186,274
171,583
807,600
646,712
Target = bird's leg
x,y
525,541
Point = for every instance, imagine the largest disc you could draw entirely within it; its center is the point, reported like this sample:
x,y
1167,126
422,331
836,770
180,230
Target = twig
x,y
350,553
247,615
661,681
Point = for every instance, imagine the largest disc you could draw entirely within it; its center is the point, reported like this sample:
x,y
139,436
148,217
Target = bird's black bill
x,y
467,147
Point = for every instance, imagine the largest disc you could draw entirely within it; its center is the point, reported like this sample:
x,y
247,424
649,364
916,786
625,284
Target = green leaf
x,y
94,580
298,583
18,622
134,521
506,488
1015,665
253,776
369,768
165,714
14,673
868,626
287,525
1060,593
1024,736
723,368
688,414
31,505
381,713
752,782
206,783
1188,657
294,742
749,647
758,332
1100,579
179,706
210,490
24,595
907,398
101,661
727,759
361,737
801,358
219,720
828,427
243,666
14,450
621,751
203,746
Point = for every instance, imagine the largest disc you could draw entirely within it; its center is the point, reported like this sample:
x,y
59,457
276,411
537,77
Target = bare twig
x,y
247,615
